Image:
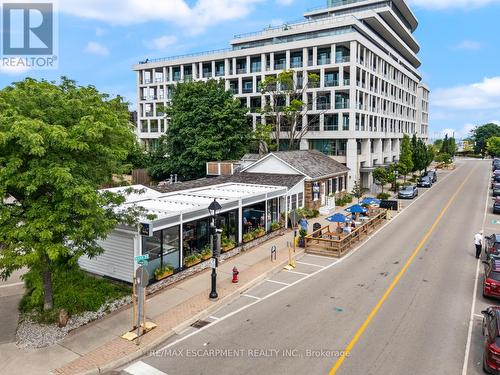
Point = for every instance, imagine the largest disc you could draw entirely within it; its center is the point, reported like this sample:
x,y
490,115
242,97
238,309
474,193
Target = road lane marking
x,y
478,316
276,282
213,317
11,285
309,264
250,296
474,291
142,368
351,253
298,273
395,282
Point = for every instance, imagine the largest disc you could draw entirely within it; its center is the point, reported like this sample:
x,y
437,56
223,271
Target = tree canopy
x,y
381,175
493,146
206,124
58,144
405,164
481,134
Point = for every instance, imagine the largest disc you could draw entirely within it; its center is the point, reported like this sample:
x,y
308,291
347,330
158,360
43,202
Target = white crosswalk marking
x,y
141,368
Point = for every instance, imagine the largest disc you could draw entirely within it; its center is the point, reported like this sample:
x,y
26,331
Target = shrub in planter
x,y
227,244
247,237
302,235
315,213
275,226
259,232
192,259
383,196
206,253
163,272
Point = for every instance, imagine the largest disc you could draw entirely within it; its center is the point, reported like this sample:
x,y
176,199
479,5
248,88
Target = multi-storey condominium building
x,y
369,93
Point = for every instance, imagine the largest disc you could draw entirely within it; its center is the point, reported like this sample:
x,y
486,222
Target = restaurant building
x,y
181,223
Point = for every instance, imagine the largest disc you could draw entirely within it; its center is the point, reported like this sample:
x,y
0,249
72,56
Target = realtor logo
x,y
28,34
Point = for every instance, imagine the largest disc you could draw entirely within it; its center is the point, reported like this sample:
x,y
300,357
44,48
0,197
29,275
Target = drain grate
x,y
200,324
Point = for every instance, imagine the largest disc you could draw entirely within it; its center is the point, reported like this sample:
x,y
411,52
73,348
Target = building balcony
x,y
159,80
323,106
241,70
296,64
347,82
279,66
147,80
233,90
324,61
331,83
148,114
247,90
341,105
219,73
342,59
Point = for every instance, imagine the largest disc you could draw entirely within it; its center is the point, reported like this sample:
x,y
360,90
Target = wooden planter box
x,y
186,264
228,248
206,257
164,275
249,240
259,235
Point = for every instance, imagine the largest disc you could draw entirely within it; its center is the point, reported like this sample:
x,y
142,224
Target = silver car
x,y
408,192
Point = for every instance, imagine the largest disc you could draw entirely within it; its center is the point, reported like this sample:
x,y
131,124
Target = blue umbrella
x,y
356,209
337,218
369,201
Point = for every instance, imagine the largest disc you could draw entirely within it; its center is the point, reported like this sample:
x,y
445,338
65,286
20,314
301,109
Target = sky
x,y
100,40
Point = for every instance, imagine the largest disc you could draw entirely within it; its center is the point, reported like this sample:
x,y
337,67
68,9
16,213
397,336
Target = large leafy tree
x,y
58,143
493,146
430,155
206,124
419,156
481,134
285,107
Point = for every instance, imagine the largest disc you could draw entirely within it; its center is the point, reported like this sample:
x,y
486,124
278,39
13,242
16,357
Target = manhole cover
x,y
200,324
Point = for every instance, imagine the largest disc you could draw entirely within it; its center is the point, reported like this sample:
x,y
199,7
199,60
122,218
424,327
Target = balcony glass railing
x,y
323,105
241,70
219,73
279,66
159,79
256,68
177,77
233,90
342,59
188,77
147,80
347,82
247,90
296,64
331,83
323,60
341,105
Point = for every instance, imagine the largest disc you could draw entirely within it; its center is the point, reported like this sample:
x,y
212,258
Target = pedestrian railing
x,y
326,242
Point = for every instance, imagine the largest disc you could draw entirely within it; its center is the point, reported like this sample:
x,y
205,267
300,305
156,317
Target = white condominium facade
x,y
369,94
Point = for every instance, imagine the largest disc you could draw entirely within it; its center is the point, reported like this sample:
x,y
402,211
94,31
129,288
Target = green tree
x,y
206,124
493,146
445,145
481,134
58,144
381,175
430,155
357,190
438,143
420,156
285,108
392,170
452,147
405,164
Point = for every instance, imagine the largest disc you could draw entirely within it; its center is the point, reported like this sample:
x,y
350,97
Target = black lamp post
x,y
214,209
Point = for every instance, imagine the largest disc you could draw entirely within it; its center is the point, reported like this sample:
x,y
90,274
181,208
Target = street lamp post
x,y
214,209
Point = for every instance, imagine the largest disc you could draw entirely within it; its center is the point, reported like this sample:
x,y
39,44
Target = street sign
x,y
140,258
213,263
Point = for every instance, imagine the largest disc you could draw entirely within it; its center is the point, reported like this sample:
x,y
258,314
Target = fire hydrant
x,y
235,274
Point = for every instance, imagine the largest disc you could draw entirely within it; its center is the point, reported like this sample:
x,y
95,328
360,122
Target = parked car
x,y
491,334
424,181
496,189
491,279
492,243
495,166
496,205
432,175
408,192
495,179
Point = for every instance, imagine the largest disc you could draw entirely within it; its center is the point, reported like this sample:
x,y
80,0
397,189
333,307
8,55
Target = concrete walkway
x,y
99,344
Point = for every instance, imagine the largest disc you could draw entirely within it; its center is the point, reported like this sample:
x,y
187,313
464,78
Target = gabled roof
x,y
270,179
310,163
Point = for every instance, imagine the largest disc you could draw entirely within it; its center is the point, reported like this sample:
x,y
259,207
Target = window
x,y
294,201
163,248
301,199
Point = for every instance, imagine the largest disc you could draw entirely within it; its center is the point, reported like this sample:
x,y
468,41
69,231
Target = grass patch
x,y
74,291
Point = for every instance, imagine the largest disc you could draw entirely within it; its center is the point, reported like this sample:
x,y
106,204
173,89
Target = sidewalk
x,y
99,345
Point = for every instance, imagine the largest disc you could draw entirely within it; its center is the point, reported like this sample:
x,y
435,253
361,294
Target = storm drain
x,y
200,324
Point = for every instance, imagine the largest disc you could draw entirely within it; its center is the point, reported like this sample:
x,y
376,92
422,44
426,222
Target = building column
x,y
287,60
352,162
213,69
248,65
240,223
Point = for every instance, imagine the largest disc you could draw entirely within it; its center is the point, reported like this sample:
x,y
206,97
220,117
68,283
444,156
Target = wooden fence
x,y
325,242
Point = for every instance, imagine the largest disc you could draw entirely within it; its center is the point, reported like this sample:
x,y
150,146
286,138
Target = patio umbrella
x,y
370,201
337,218
356,209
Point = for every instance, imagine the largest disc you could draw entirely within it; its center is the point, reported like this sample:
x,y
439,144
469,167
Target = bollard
x,y
273,253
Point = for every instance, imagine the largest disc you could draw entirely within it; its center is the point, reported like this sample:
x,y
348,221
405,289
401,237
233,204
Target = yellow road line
x,y
377,307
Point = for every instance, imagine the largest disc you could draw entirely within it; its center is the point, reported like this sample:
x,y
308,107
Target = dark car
x,y
491,279
408,192
496,205
496,189
432,175
424,181
495,166
492,243
491,333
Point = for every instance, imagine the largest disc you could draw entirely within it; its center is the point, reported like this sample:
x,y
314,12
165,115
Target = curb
x,y
216,305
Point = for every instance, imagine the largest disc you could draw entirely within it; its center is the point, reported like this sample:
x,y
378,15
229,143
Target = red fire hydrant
x,y
235,274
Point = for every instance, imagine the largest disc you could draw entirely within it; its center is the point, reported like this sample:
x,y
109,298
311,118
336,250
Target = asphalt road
x,y
401,303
